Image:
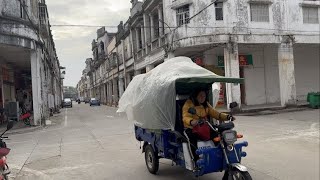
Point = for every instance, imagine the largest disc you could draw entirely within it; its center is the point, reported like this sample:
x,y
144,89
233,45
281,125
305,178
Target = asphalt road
x,y
97,143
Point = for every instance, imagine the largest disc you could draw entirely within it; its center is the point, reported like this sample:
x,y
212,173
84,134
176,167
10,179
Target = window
x,y
156,26
310,15
102,46
259,12
219,11
183,15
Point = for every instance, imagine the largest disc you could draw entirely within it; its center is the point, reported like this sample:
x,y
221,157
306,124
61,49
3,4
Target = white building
x,y
272,44
277,42
29,66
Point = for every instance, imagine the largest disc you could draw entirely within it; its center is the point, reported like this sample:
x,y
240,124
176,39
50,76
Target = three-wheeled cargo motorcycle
x,y
223,153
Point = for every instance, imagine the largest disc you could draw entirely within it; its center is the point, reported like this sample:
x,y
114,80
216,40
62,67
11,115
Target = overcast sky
x,y
73,44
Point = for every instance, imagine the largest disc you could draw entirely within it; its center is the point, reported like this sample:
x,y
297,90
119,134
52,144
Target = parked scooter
x,y
25,117
4,151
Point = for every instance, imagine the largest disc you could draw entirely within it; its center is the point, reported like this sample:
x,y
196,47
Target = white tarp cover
x,y
150,98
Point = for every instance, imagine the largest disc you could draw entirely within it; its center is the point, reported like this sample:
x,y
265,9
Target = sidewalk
x,y
265,109
20,128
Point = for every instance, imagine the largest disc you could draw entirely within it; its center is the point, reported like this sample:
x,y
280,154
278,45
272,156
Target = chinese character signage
x,y
244,60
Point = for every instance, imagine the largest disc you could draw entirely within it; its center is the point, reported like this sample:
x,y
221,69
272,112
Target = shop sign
x,y
244,60
5,74
221,95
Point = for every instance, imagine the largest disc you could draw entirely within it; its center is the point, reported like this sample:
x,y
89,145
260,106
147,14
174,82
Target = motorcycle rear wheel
x,y
152,160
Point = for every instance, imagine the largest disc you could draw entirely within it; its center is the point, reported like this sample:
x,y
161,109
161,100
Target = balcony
x,y
139,54
101,56
43,20
155,44
113,60
162,41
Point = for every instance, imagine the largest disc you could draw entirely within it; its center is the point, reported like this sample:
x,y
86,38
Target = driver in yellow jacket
x,y
199,102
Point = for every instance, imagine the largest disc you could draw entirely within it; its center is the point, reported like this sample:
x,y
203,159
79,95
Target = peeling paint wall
x,y
262,79
19,28
307,63
285,16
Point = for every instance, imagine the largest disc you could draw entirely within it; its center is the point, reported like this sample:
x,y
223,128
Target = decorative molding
x,y
310,4
260,1
178,3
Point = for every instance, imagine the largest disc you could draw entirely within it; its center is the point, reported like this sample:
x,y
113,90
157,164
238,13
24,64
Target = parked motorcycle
x,y
25,116
4,151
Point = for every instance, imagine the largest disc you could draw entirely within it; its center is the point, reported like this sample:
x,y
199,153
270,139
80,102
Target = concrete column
x,y
108,93
142,37
160,15
1,85
137,38
121,87
231,63
35,59
151,27
132,41
128,77
149,67
115,91
146,28
288,94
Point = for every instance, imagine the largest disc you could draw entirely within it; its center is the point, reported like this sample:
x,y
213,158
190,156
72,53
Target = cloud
x,y
73,44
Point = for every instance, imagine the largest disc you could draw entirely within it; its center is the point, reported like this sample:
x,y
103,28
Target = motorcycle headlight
x,y
230,136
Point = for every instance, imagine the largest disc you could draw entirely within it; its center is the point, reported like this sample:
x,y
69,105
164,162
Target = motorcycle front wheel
x,y
237,175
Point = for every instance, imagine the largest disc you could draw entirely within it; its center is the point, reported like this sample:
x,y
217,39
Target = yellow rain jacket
x,y
201,112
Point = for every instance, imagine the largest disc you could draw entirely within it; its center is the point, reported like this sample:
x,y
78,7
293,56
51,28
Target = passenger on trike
x,y
170,106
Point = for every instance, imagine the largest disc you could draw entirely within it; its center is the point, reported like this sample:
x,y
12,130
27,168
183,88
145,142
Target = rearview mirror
x,y
233,105
10,125
192,111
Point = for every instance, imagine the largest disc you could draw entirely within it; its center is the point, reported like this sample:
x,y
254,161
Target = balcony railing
x,y
101,55
155,44
43,20
162,41
139,54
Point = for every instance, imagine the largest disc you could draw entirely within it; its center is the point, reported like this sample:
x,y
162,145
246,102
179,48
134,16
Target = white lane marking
x,y
110,116
66,118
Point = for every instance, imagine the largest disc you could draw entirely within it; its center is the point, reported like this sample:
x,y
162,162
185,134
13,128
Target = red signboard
x,y
5,74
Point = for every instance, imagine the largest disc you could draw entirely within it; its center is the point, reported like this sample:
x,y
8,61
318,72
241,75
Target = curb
x,y
24,130
269,111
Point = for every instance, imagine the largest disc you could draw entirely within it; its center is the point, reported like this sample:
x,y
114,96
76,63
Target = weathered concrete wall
x,y
111,46
14,29
306,64
285,16
262,79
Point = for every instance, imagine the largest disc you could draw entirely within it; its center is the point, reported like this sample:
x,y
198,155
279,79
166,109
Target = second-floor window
x,y
219,11
156,25
310,15
259,12
183,14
